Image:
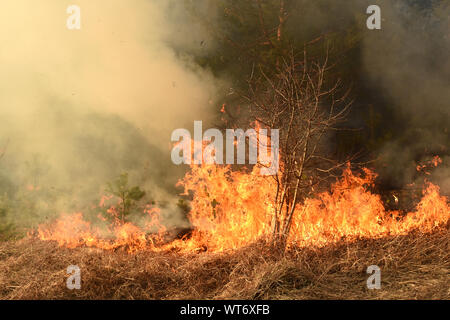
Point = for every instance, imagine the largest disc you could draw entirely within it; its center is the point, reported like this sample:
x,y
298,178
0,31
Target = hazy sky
x,y
118,62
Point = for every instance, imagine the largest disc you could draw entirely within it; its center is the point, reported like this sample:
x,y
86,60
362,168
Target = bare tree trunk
x,y
296,101
282,20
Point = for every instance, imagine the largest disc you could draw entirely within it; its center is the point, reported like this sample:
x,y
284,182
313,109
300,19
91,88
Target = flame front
x,y
231,209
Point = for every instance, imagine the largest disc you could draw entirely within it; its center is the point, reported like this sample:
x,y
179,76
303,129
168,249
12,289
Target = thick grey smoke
x,y
405,69
408,60
78,107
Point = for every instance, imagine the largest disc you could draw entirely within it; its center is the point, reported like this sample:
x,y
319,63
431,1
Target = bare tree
x,y
299,101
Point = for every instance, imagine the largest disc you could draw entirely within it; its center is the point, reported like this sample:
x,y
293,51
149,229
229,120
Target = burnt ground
x,y
414,266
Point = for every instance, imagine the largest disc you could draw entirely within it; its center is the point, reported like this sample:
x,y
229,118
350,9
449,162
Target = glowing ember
x,y
429,164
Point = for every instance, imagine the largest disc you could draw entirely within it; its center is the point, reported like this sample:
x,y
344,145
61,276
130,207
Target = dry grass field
x,y
415,266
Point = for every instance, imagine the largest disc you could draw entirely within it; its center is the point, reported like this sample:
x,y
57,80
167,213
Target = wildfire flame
x,y
231,209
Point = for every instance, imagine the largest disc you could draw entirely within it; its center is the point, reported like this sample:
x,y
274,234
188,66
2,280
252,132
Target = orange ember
x,y
429,164
230,209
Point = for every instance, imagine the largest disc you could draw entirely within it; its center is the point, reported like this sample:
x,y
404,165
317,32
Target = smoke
x,y
78,107
408,61
403,72
118,62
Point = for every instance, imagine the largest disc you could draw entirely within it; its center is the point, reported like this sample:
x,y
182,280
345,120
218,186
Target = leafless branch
x,y
299,100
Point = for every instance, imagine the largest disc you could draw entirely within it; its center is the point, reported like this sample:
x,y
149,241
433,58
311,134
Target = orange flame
x,y
231,209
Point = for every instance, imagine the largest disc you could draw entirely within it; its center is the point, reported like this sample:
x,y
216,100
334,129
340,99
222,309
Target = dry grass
x,y
415,266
